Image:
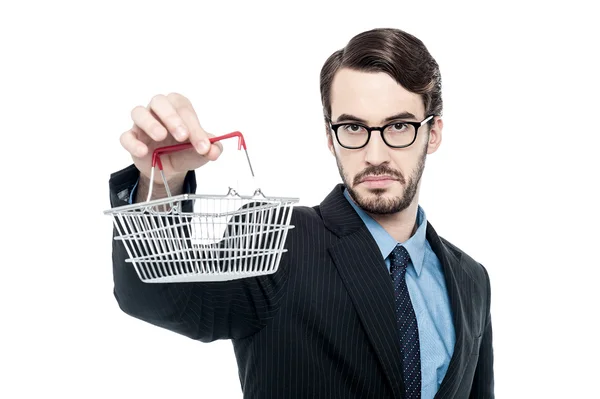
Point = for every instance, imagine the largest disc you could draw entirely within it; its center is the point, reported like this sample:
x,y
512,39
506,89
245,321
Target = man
x,y
368,302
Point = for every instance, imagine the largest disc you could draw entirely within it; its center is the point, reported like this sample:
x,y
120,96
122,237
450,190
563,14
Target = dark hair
x,y
395,52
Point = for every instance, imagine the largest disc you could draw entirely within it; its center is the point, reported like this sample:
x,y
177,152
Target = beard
x,y
379,204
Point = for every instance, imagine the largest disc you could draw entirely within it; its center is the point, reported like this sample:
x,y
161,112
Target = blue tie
x,y
407,324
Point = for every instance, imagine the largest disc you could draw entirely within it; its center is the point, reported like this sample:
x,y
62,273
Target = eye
x,y
399,126
353,128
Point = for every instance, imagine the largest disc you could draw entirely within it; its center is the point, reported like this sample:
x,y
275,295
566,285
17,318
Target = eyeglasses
x,y
396,135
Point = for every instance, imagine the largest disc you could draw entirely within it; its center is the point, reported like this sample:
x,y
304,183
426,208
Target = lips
x,y
377,178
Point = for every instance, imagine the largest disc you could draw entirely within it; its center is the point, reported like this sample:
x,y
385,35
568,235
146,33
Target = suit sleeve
x,y
483,382
205,311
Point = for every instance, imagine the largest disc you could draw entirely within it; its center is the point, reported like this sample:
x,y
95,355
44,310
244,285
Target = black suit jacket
x,y
323,325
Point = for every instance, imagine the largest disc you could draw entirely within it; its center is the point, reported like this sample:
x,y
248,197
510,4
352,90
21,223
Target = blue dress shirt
x,y
428,294
133,191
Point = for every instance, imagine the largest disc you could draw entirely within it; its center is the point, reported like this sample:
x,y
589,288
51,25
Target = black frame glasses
x,y
381,129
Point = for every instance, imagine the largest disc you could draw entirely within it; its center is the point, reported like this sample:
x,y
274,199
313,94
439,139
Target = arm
x,y
202,311
483,382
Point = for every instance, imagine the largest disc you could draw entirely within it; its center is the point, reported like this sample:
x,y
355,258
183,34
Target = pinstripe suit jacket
x,y
323,325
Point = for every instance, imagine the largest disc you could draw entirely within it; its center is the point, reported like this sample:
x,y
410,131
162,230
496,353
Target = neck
x,y
401,225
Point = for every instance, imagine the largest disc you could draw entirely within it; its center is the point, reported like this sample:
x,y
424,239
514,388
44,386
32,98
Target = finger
x,y
142,118
168,116
130,142
197,135
216,149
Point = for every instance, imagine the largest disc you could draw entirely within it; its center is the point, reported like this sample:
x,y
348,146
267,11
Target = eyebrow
x,y
401,115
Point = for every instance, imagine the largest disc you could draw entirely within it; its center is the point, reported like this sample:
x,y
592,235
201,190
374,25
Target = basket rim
x,y
141,206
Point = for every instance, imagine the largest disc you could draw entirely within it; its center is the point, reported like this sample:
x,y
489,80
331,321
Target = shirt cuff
x,y
131,196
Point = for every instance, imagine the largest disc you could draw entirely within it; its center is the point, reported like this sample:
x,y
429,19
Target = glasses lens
x,y
399,134
352,135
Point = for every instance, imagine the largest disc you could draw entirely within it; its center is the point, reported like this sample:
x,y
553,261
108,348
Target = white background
x,y
514,183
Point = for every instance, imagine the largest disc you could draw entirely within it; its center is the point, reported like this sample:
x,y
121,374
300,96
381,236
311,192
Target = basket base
x,y
206,277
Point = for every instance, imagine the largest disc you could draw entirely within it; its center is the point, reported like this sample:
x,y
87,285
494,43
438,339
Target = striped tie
x,y
407,324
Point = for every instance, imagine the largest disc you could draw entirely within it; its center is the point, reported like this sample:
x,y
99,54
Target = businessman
x,y
369,301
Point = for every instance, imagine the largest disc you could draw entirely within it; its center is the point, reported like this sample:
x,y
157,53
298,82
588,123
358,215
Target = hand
x,y
168,120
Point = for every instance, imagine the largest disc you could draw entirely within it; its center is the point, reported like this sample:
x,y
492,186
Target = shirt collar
x,y
415,245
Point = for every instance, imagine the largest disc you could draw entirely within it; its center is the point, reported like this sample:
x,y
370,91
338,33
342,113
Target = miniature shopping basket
x,y
191,237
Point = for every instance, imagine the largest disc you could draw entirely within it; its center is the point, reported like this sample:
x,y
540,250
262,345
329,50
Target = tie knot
x,y
399,258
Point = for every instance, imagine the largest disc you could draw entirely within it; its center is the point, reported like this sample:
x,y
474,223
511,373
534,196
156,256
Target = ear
x,y
435,135
329,138
330,143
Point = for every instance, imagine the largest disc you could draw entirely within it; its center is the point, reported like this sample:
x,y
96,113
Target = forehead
x,y
371,96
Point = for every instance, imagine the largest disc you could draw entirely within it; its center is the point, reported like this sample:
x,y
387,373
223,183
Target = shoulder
x,y
475,270
303,213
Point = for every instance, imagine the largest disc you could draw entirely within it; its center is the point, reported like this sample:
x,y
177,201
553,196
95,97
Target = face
x,y
380,179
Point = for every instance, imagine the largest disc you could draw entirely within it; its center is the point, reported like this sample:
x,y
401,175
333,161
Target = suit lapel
x,y
457,283
363,271
364,274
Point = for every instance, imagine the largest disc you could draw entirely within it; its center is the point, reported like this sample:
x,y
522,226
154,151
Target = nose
x,y
377,152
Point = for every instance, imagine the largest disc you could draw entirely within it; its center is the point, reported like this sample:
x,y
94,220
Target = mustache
x,y
378,170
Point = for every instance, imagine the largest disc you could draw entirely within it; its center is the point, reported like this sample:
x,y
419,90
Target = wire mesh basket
x,y
192,237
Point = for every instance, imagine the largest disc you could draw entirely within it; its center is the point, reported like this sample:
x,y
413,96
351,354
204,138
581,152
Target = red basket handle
x,y
178,147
